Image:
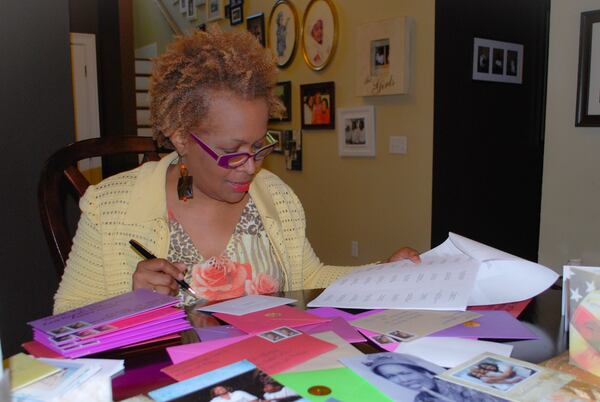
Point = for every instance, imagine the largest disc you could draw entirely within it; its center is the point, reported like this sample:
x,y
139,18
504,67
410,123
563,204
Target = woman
x,y
207,211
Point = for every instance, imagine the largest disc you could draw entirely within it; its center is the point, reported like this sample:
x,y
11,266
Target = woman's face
x,y
233,124
405,376
317,31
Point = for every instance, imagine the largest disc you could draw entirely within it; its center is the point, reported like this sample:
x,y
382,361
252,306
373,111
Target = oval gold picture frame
x,y
283,32
319,33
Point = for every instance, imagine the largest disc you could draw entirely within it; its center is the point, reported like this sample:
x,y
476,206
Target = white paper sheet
x,y
247,304
450,352
439,282
502,277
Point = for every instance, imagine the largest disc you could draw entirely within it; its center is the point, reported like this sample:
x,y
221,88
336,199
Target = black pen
x,y
149,256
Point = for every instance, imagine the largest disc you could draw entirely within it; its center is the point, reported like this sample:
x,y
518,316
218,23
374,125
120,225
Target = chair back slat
x,y
77,180
61,177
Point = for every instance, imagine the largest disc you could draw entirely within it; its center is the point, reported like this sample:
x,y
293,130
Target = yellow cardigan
x,y
132,205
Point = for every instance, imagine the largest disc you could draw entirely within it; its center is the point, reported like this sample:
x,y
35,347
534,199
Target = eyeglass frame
x,y
222,160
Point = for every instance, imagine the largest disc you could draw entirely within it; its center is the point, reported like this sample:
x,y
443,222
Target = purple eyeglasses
x,y
237,159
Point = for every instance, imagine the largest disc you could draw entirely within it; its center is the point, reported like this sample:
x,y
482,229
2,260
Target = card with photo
x,y
403,377
272,336
287,332
79,325
60,330
383,339
241,381
401,336
507,377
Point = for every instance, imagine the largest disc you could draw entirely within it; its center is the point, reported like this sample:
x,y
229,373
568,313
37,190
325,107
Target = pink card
x,y
337,325
281,316
491,325
272,357
182,353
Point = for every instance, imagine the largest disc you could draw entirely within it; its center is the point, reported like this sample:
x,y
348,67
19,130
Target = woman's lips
x,y
240,187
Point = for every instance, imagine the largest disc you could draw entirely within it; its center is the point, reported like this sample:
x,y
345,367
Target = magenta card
x,y
330,312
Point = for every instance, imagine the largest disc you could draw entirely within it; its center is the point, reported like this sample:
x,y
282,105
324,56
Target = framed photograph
x,y
383,63
506,377
256,25
284,91
588,79
192,12
183,6
318,105
292,149
356,132
236,15
277,135
215,10
283,31
235,3
319,33
497,61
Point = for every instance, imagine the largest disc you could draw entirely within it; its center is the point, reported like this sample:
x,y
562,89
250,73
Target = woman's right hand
x,y
158,275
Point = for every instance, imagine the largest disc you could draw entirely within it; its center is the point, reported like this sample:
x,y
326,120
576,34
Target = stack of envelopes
x,y
123,320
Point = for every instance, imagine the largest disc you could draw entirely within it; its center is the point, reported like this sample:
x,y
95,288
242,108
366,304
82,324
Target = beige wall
x,y
570,216
382,202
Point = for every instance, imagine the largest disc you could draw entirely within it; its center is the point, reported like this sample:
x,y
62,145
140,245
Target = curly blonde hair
x,y
195,65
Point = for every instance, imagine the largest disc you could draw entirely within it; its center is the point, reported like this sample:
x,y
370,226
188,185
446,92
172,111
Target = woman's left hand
x,y
405,253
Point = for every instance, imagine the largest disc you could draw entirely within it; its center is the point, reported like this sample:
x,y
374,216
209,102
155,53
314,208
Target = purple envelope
x,y
492,325
338,325
102,312
218,332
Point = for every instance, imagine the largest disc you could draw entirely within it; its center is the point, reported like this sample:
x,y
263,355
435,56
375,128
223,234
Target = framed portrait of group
x,y
319,33
588,81
383,64
318,105
497,61
283,31
356,131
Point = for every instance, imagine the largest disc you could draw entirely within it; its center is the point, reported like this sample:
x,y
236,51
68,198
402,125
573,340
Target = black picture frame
x,y
255,24
284,91
583,116
236,15
313,115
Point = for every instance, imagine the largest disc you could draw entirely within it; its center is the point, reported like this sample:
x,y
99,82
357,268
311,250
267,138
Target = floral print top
x,y
247,266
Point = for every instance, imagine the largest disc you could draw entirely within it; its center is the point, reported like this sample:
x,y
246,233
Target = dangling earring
x,y
185,190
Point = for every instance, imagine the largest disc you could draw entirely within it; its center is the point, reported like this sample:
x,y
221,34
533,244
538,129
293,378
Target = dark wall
x,y
112,23
488,136
37,117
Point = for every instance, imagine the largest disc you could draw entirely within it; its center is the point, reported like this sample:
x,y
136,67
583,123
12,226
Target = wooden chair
x,y
61,177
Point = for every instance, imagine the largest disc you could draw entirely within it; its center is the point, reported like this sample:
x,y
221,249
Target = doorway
x,y
489,136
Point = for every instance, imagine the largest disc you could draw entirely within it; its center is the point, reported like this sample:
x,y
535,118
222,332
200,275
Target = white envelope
x,y
450,352
502,277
